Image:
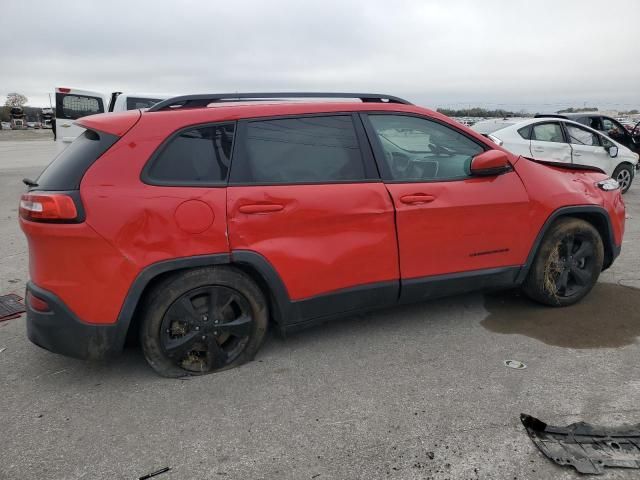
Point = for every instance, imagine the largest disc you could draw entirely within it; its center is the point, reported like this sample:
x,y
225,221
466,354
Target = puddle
x,y
608,317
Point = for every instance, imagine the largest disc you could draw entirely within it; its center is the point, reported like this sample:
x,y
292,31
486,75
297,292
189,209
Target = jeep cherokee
x,y
206,217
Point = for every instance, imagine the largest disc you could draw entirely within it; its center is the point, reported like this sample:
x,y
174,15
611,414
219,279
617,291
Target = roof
x,y
566,115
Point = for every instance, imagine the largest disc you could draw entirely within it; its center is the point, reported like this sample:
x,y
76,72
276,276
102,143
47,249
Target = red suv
x,y
203,219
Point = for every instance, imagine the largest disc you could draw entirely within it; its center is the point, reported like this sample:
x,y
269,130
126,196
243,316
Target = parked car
x,y
73,104
31,124
5,126
559,140
607,125
201,220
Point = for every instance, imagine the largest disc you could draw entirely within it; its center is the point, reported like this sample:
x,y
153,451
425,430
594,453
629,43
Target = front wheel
x,y
567,265
623,174
202,321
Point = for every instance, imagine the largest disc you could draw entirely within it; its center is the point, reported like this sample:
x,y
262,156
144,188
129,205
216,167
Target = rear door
x,y
72,104
548,143
304,194
588,149
452,227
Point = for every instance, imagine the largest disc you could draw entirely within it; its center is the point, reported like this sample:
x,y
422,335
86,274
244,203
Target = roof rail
x,y
204,100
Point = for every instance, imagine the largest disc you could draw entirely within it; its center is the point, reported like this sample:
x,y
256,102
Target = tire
x,y
567,264
202,321
624,175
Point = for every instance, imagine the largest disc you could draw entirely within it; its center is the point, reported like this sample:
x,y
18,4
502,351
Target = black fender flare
x,y
267,277
611,249
146,275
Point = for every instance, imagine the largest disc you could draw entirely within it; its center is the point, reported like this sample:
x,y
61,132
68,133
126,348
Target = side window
x,y
196,156
77,106
581,136
417,149
548,132
134,103
299,150
605,142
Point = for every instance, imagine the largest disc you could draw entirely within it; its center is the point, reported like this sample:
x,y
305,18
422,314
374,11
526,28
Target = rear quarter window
x,y
196,156
66,170
525,132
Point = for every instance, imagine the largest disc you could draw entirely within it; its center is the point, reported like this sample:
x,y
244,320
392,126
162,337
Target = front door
x,y
548,143
305,195
450,225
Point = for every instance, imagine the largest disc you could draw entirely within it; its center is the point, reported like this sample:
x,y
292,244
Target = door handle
x,y
261,208
538,149
417,198
575,154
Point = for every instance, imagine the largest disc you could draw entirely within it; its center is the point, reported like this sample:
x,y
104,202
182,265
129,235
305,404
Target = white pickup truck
x,y
72,103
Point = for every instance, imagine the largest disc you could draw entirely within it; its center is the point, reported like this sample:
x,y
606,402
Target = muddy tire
x,y
567,264
624,176
202,321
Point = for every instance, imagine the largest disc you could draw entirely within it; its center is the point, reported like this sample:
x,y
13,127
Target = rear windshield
x,y
66,170
72,106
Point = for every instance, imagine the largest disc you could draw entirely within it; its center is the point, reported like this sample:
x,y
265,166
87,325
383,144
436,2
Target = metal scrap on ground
x,y
153,474
587,448
517,364
11,306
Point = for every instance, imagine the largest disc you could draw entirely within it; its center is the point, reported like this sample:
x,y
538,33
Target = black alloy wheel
x,y
567,264
206,328
203,320
574,267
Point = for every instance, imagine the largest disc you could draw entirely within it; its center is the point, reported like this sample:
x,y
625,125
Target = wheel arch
x,y
625,162
251,263
595,215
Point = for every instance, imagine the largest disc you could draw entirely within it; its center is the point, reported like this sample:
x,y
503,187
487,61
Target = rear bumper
x,y
60,331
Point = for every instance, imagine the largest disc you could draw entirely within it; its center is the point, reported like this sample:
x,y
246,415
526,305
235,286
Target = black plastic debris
x,y
587,448
11,306
153,474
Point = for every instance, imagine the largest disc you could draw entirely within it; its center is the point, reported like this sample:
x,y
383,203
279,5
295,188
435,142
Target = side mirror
x,y
613,151
491,162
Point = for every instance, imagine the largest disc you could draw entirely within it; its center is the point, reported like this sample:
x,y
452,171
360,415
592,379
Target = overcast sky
x,y
539,54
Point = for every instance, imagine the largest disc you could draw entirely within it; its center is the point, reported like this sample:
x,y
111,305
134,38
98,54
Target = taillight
x,y
63,90
48,207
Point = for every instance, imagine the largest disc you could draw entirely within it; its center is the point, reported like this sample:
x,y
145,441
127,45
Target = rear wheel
x,y
623,174
202,321
567,264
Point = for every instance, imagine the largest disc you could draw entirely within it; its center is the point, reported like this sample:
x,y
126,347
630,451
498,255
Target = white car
x,y
72,104
565,141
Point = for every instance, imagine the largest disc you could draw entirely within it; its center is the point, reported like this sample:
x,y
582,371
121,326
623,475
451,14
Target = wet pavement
x,y
414,392
609,317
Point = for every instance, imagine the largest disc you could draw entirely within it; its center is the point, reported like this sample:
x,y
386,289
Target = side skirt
x,y
339,304
436,286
